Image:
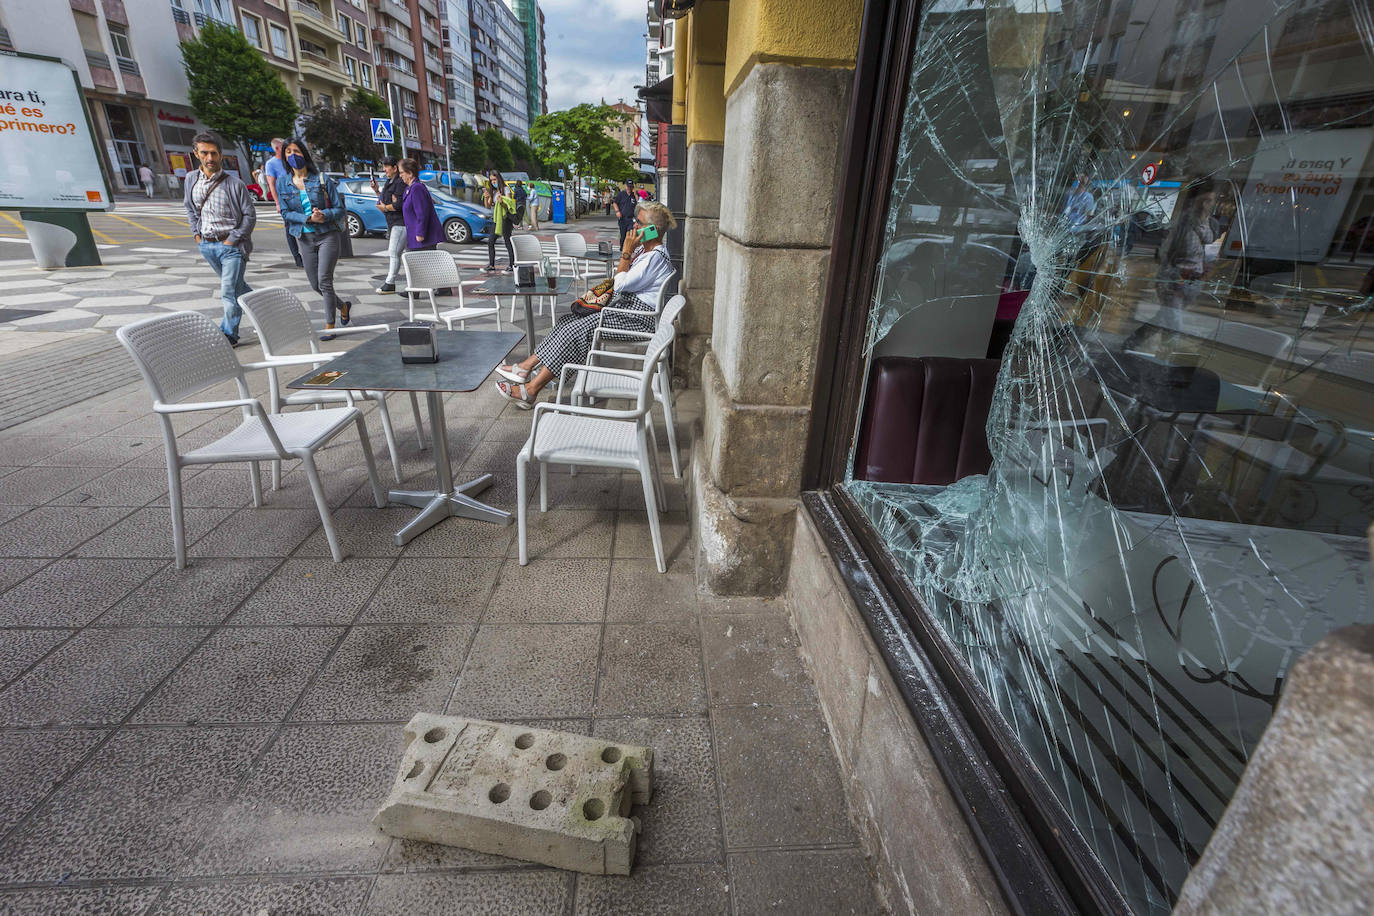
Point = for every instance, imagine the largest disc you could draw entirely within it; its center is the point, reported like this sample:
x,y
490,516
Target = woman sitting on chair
x,y
641,272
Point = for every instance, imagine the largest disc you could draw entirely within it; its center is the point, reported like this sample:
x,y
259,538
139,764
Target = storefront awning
x,y
659,97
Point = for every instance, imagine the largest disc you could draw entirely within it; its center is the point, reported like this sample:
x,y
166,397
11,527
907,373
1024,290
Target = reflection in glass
x,y
1118,426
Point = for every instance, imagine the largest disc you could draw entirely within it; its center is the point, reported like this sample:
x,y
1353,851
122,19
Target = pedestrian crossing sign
x,y
381,130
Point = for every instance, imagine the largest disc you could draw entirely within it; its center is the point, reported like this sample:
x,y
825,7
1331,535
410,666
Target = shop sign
x,y
180,164
48,155
179,119
1297,192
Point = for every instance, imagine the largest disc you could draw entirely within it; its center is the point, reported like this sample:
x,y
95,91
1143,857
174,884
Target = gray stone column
x,y
780,165
699,274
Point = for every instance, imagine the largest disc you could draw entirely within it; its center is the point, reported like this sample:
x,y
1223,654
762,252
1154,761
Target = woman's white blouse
x,y
648,272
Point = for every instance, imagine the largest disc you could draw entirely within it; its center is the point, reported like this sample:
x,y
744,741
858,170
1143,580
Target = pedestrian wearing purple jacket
x,y
423,231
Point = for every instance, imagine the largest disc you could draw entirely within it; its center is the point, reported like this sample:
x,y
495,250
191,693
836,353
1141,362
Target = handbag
x,y
581,308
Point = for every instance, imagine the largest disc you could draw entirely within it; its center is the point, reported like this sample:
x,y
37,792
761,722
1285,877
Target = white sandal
x,y
524,401
513,373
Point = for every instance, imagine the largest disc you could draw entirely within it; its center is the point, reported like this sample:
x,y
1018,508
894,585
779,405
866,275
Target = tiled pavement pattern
x,y
215,740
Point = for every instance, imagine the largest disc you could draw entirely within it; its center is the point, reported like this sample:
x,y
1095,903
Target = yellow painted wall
x,y
705,73
682,53
816,33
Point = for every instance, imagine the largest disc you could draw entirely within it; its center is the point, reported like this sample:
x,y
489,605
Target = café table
x,y
504,285
609,259
466,358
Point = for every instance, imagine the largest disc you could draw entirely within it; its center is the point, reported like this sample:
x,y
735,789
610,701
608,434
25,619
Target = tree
x,y
340,135
525,159
371,102
469,151
498,150
578,137
234,90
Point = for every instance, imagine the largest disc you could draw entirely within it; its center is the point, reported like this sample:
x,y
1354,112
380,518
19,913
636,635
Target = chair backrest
x,y
663,291
569,244
527,248
430,270
180,354
282,321
657,350
1265,341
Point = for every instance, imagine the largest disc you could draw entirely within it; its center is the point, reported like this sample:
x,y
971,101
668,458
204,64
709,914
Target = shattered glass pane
x,y
1159,215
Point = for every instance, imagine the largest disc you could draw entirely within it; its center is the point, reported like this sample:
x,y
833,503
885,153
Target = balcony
x,y
433,64
323,68
311,18
386,38
403,78
394,8
430,32
429,6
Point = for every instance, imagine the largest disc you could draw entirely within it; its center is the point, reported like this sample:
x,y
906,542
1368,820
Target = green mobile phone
x,y
648,233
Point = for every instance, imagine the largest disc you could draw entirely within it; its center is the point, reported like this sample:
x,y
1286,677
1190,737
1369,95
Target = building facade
x,y
135,91
456,19
1036,379
626,131
408,46
531,19
498,66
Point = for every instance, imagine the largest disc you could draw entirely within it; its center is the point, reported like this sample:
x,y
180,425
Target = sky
x,y
595,49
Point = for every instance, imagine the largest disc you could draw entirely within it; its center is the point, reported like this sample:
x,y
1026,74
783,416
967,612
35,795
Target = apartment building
x,y
626,132
408,44
455,21
531,19
321,48
136,92
498,67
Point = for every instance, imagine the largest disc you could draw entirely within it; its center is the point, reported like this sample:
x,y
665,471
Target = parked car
x,y
463,222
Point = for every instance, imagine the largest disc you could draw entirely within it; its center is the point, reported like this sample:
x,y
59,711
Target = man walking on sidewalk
x,y
220,210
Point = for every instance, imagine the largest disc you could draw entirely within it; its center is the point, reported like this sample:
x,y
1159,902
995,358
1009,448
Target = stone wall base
x,y
743,545
928,860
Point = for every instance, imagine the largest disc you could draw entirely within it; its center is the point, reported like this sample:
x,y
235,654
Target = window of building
x,y
366,72
309,47
1152,491
119,40
326,100
345,25
281,46
252,30
351,66
307,100
361,34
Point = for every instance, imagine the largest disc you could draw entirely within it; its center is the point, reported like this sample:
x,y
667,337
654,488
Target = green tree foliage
x,y
371,102
339,135
234,90
498,150
578,137
469,151
525,158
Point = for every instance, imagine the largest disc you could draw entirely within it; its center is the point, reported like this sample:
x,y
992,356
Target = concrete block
x,y
767,317
704,162
782,122
737,435
543,796
1298,835
699,252
742,544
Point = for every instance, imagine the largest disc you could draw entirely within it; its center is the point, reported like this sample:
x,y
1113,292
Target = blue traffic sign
x,y
381,130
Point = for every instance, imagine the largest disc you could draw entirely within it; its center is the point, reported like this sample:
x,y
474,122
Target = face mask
x,y
295,161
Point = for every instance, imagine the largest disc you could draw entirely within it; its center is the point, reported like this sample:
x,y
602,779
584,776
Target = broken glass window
x,y
1158,215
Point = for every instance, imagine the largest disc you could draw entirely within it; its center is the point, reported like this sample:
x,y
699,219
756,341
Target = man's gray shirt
x,y
233,205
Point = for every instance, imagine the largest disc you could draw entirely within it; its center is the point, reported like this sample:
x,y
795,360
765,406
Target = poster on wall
x,y
48,157
1296,194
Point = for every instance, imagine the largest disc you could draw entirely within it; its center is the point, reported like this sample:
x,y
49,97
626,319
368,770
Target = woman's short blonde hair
x,y
658,214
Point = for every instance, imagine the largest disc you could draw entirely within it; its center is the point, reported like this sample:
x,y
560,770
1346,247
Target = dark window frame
x,y
1040,860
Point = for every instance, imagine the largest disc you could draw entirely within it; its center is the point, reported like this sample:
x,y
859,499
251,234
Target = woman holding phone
x,y
311,208
642,270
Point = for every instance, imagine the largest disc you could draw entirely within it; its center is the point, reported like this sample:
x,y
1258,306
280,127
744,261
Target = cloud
x,y
594,51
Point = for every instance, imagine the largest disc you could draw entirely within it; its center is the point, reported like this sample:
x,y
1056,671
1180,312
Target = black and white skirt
x,y
571,338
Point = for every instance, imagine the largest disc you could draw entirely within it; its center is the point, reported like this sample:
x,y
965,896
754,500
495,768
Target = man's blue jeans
x,y
229,262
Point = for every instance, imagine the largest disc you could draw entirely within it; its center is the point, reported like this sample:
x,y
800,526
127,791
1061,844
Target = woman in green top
x,y
502,204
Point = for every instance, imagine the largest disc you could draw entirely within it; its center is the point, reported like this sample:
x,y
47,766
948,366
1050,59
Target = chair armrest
x,y
293,359
637,335
190,407
600,413
637,356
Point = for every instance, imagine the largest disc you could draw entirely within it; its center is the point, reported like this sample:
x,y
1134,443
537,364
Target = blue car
x,y
462,221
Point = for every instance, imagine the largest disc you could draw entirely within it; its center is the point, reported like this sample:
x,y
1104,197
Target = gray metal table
x,y
610,259
466,358
505,286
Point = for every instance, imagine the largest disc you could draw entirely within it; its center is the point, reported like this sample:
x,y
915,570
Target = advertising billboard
x,y
48,157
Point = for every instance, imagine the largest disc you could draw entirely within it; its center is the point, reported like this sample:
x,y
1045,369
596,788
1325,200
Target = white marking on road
x,y
160,250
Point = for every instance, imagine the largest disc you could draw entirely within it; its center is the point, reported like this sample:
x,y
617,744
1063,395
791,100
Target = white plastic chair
x,y
184,353
288,339
595,384
427,271
569,247
605,333
598,437
529,250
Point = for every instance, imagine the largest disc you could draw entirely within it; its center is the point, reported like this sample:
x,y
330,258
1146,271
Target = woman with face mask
x,y
311,209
